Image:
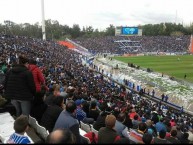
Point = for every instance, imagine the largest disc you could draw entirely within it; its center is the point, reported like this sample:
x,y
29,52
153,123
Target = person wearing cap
x,y
108,134
80,114
20,87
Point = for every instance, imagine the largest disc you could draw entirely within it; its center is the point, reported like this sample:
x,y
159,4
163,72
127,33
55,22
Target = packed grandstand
x,y
77,95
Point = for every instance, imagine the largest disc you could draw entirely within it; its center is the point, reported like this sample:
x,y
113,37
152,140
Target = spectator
x,y
132,114
81,115
20,127
163,97
151,128
179,132
137,135
161,138
108,134
100,122
61,136
20,87
128,122
160,125
119,126
66,120
173,138
37,75
172,122
93,112
51,114
155,117
166,98
39,106
147,138
135,122
184,139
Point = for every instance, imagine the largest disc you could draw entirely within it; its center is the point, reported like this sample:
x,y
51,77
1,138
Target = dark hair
x,y
70,95
121,117
136,117
103,106
185,135
58,100
23,60
32,61
93,105
147,138
21,124
70,106
162,133
142,126
174,133
61,136
162,119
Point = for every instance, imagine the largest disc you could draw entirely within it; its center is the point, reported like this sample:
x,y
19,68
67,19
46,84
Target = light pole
x,y
43,21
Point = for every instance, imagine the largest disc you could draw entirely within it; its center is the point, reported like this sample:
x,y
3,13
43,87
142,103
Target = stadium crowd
x,y
49,82
107,44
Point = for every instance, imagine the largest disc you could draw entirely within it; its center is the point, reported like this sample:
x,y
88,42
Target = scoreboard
x,y
128,31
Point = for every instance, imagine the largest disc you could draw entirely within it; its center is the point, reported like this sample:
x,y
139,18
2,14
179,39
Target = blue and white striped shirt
x,y
16,138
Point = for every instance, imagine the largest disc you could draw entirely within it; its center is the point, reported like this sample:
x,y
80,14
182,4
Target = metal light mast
x,y
43,22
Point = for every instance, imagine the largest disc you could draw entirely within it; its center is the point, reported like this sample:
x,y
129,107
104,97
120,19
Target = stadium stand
x,y
79,80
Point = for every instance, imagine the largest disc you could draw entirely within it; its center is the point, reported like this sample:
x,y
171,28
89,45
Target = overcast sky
x,y
98,13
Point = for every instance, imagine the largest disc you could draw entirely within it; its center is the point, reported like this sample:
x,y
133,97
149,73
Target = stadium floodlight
x,y
43,21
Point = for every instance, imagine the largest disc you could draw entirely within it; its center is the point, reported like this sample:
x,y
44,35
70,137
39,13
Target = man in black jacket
x,y
20,87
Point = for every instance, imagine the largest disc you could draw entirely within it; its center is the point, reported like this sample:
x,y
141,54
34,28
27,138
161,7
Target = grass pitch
x,y
176,66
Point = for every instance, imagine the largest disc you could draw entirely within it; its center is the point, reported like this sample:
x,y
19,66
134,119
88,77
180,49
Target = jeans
x,y
22,107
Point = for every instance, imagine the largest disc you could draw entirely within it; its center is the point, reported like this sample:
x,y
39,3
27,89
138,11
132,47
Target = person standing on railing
x,y
166,98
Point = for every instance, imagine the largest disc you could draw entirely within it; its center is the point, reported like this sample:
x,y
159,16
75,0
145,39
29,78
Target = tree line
x,y
56,31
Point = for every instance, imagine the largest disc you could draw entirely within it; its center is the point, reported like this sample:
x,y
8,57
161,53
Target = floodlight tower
x,y
43,21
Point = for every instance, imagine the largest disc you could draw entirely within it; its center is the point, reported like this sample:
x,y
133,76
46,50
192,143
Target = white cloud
x,y
98,13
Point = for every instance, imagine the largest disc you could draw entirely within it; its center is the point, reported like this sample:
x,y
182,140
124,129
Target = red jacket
x,y
38,76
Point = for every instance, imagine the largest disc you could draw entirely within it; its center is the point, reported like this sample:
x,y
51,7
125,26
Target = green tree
x,y
75,31
110,31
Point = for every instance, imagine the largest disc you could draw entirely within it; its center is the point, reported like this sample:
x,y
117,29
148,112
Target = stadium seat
x,y
85,127
82,132
42,131
33,122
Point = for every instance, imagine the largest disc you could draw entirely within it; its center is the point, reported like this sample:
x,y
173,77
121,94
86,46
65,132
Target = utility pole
x,y
176,17
43,21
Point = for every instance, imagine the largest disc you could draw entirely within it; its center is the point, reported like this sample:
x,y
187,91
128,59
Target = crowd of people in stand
x,y
50,83
107,44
